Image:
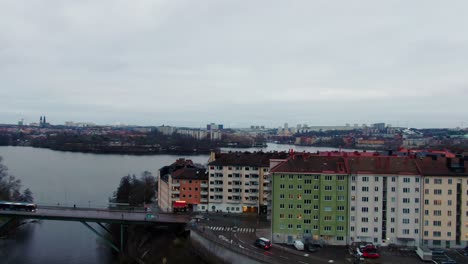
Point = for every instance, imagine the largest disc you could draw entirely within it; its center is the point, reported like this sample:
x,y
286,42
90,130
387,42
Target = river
x,y
87,180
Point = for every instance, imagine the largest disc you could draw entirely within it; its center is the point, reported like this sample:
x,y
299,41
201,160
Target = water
x,y
87,180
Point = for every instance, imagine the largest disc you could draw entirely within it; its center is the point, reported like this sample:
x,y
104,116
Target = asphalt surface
x,y
250,228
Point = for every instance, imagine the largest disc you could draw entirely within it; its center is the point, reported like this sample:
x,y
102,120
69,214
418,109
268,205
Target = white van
x,y
298,245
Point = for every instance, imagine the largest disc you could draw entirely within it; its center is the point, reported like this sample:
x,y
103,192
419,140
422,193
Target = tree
x,y
136,191
10,187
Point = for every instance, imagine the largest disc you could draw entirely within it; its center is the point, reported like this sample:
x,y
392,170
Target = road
x,y
245,236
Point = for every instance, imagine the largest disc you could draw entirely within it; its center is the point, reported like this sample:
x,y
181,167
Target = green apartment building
x,y
310,200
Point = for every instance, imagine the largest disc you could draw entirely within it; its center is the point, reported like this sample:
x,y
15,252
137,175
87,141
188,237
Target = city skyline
x,y
183,63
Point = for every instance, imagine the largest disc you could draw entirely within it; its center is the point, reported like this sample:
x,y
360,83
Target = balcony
x,y
176,184
175,191
266,188
204,185
204,193
203,200
234,201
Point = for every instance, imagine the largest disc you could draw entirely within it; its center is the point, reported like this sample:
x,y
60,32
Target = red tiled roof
x,y
259,159
382,165
190,174
442,166
312,164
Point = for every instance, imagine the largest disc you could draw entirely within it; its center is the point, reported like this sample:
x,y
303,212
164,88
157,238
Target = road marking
x,y
459,253
330,261
283,257
306,255
302,262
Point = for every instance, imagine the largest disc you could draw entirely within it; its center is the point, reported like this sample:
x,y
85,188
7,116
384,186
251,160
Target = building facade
x,y
445,202
310,200
385,200
238,182
183,181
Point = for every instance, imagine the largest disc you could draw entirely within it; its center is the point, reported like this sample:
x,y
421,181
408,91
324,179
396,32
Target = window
x,y
449,181
298,226
364,219
376,178
406,180
406,231
341,198
281,216
289,216
327,218
437,202
365,189
281,186
299,206
340,188
299,187
406,200
328,178
406,210
315,227
307,211
437,191
437,223
365,179
364,209
365,199
328,197
307,221
281,206
376,188
282,196
341,178
450,192
351,228
353,188
316,197
406,190
364,229
340,228
291,206
340,218
316,187
436,233
376,199
406,221
437,212
327,228
316,207
290,226
291,186
426,180
340,208
437,181
328,188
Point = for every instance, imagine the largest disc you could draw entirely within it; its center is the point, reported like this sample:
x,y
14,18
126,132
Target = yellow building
x,y
445,202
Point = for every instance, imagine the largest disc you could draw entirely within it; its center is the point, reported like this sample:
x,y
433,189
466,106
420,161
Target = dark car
x,y
313,247
263,243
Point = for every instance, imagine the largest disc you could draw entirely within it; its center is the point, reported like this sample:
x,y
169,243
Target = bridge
x,y
99,216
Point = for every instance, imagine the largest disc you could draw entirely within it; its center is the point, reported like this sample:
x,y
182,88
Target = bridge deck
x,y
99,215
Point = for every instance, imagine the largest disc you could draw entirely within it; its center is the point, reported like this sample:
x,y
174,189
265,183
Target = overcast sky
x,y
188,63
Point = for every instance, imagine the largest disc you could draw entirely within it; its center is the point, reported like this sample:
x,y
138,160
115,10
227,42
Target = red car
x,y
370,251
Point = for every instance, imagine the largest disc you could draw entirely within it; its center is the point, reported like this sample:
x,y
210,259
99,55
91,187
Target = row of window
x,y
376,230
315,177
314,227
377,178
316,187
237,168
315,207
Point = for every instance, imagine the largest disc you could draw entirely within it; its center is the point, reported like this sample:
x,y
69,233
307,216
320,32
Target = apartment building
x,y
238,181
445,202
310,200
183,181
385,200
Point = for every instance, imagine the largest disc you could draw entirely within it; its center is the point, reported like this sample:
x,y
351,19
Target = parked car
x,y
313,247
263,243
298,245
370,251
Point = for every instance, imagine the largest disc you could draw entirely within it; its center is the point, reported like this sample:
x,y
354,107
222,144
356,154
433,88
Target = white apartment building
x,y
385,200
238,182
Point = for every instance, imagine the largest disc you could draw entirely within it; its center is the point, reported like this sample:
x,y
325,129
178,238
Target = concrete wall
x,y
214,252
